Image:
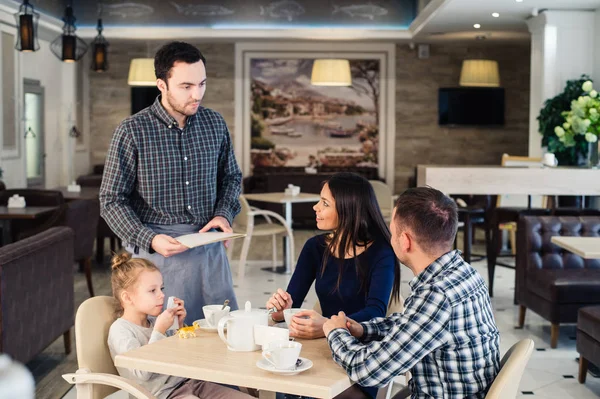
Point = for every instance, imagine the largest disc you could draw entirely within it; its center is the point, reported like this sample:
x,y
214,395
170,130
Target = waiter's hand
x,y
218,222
167,246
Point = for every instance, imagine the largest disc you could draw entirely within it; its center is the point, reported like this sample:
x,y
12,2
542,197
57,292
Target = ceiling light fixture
x,y
476,26
480,73
495,15
331,72
141,72
68,47
27,23
519,1
100,52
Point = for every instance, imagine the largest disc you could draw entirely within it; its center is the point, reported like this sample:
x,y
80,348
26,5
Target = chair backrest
x,y
384,197
241,220
513,364
83,217
92,322
537,201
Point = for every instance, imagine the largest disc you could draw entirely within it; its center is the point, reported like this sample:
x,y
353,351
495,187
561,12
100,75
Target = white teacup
x,y
282,354
213,313
549,159
289,313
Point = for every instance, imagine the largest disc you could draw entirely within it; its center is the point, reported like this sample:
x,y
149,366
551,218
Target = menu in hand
x,y
198,239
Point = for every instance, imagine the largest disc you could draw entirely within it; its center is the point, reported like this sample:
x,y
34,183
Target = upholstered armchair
x,y
551,281
36,293
82,217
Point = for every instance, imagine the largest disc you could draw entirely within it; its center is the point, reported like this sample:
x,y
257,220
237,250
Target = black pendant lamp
x,y
68,47
27,22
100,51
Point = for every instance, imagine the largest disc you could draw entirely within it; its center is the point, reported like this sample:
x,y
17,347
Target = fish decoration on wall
x,y
287,9
369,10
127,10
202,9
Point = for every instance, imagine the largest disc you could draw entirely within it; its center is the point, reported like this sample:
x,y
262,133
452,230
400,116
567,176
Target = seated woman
x,y
354,266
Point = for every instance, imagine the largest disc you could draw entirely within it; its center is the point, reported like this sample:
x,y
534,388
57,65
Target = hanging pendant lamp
x,y
100,51
27,23
68,47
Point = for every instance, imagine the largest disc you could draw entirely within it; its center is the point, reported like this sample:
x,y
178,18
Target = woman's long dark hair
x,y
360,222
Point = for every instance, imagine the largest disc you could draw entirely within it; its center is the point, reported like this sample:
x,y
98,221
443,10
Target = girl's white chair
x,y
97,376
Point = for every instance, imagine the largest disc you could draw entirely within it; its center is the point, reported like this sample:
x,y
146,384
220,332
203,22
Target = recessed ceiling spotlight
x,y
495,15
519,1
476,26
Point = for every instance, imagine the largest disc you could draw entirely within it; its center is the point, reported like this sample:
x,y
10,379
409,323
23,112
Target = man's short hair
x,y
430,215
173,52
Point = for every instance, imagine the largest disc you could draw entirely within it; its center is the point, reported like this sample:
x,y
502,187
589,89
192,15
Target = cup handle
x,y
267,356
221,327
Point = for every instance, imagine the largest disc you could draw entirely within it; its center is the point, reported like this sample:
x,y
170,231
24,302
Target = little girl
x,y
137,288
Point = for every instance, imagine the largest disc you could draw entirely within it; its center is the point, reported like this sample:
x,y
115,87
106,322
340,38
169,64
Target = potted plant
x,y
568,152
581,125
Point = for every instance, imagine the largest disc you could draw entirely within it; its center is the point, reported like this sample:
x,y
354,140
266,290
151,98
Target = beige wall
x,y
419,139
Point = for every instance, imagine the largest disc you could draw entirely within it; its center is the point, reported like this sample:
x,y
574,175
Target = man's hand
x,y
218,222
338,321
356,329
167,246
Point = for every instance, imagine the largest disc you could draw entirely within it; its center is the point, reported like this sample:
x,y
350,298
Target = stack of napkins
x,y
198,239
292,190
16,201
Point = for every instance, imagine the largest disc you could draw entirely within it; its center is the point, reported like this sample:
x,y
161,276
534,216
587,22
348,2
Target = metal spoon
x,y
225,304
298,363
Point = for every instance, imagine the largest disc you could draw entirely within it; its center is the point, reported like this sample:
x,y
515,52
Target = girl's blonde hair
x,y
125,272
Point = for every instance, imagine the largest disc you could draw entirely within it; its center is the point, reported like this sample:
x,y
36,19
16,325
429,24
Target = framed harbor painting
x,y
283,121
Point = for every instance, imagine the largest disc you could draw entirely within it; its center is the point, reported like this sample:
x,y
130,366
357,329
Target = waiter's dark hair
x,y
173,52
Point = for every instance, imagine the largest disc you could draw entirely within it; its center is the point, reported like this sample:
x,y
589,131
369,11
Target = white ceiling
x,y
454,19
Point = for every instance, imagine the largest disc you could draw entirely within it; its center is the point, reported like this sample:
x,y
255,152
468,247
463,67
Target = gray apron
x,y
200,276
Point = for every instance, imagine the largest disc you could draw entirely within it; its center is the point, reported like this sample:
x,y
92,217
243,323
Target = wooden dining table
x,y
586,247
7,215
86,193
207,358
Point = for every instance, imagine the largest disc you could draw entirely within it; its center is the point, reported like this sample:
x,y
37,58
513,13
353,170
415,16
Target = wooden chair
x,y
512,366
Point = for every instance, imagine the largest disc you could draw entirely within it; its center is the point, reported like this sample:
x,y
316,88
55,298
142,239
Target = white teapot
x,y
240,328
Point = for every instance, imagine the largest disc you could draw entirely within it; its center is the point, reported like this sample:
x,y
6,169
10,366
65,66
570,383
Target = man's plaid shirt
x,y
446,337
157,173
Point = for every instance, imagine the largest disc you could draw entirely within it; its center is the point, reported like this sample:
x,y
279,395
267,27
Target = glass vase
x,y
592,155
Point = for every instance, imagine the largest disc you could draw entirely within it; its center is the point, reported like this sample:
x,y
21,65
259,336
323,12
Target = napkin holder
x,y
292,190
74,188
16,201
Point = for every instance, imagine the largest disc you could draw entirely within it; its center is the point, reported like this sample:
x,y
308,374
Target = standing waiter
x,y
171,170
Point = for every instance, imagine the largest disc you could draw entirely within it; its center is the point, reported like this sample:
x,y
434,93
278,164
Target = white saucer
x,y
203,325
265,365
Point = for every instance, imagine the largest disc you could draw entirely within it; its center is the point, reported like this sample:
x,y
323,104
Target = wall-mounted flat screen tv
x,y
475,106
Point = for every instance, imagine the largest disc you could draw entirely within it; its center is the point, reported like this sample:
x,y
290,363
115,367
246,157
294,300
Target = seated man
x,y
446,337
